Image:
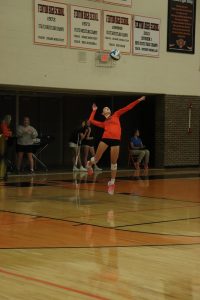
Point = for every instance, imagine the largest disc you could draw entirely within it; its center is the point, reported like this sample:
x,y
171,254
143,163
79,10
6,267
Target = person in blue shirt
x,y
138,149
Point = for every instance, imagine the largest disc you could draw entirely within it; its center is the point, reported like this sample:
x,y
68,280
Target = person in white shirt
x,y
25,140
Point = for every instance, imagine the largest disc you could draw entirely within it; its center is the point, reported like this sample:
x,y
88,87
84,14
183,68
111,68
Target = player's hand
x,y
142,98
94,107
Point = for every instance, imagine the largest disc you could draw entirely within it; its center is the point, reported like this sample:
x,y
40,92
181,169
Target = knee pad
x,y
113,167
93,160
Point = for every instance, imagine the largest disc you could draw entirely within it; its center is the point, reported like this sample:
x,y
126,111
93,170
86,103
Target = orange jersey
x,y
112,126
5,130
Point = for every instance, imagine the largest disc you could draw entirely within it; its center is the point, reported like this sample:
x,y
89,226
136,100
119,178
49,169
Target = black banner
x,y
181,26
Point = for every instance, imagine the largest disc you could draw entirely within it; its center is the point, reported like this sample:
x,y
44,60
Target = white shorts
x,y
72,145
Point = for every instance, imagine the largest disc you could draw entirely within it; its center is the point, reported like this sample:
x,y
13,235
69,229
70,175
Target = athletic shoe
x,y
89,169
83,175
96,168
111,188
75,169
82,169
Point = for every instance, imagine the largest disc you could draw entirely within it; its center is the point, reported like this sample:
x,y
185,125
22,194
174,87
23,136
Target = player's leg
x,y
146,159
74,153
3,166
94,160
141,155
114,155
92,152
20,156
31,162
86,150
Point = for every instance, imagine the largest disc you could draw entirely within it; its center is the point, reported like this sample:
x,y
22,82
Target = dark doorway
x,y
58,114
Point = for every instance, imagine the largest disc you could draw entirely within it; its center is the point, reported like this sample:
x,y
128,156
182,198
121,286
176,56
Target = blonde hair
x,y
7,119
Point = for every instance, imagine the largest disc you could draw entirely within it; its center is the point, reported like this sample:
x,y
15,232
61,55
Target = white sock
x,y
112,181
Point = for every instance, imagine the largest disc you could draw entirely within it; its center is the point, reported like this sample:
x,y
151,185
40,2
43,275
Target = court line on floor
x,y
116,194
52,284
154,197
78,223
156,222
82,188
147,210
109,227
99,247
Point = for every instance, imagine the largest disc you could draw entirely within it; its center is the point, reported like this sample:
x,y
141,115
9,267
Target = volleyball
x,y
115,54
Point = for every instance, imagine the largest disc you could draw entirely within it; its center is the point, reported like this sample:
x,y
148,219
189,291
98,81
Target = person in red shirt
x,y
5,133
110,138
5,130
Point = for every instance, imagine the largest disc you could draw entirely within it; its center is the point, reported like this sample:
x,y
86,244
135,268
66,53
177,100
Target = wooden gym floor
x,y
64,237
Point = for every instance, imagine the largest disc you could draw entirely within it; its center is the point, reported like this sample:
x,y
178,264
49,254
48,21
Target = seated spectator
x,y
138,149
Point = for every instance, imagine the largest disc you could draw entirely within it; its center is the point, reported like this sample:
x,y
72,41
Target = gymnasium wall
x,y
175,144
25,64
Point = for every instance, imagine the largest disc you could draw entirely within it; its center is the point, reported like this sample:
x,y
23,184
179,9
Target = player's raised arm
x,y
91,118
129,106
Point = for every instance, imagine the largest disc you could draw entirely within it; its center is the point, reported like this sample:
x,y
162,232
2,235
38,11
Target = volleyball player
x,y
110,138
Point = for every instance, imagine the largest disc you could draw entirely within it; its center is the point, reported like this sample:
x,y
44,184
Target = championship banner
x,y
181,26
50,23
117,31
85,28
146,36
119,2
